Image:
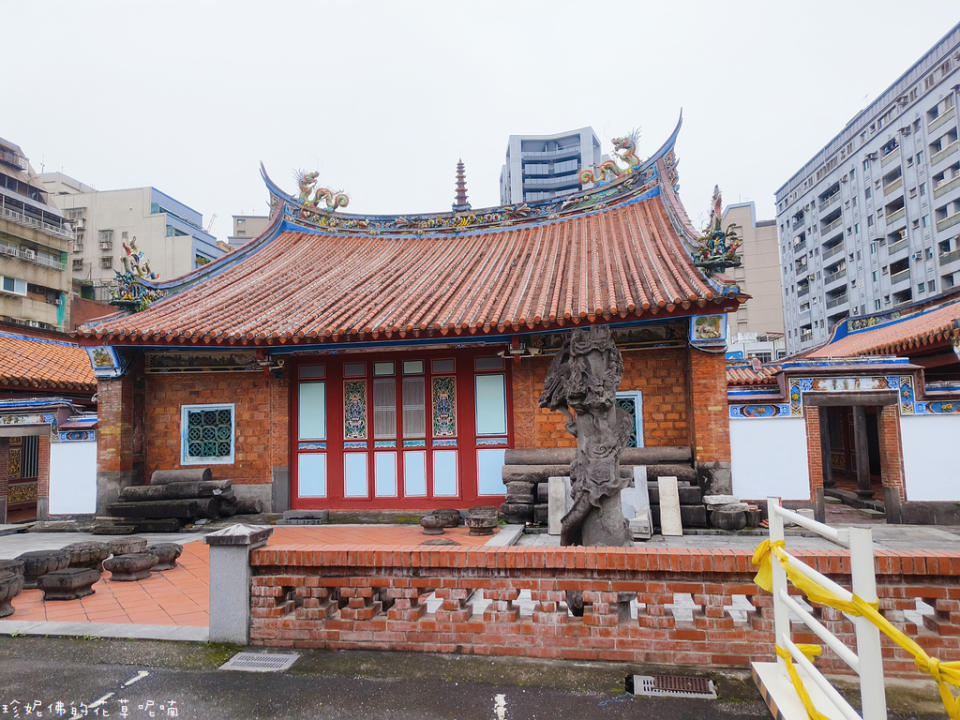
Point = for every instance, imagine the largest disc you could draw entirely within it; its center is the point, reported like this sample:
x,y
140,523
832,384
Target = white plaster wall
x,y
930,464
73,478
769,457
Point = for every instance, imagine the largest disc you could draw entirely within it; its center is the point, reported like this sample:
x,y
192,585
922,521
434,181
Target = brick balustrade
x,y
641,605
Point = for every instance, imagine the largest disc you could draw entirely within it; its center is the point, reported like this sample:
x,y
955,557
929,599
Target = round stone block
x,y
87,554
432,524
14,566
134,566
11,583
37,563
728,519
68,584
482,520
449,516
166,553
127,545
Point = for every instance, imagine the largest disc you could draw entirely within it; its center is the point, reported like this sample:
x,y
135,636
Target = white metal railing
x,y
867,660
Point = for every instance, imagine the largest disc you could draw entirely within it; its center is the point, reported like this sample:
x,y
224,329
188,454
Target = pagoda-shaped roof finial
x,y
461,204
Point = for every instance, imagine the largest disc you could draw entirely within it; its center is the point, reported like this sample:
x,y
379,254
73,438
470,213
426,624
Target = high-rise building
x,y
35,239
539,167
247,227
757,326
169,233
872,221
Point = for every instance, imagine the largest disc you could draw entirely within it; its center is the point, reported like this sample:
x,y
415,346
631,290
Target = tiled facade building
x,y
872,221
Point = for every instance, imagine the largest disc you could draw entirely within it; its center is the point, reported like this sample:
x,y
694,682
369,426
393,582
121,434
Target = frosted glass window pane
x,y
412,367
312,475
414,473
354,369
313,411
385,474
414,408
313,371
444,473
384,408
383,368
355,474
442,366
491,405
490,472
489,363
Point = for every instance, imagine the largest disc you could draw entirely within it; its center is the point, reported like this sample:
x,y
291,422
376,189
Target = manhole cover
x,y
260,662
684,686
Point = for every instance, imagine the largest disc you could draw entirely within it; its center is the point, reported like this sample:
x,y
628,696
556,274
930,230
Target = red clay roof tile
x,y
41,363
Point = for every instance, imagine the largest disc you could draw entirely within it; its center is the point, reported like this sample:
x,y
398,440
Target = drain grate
x,y
684,686
260,662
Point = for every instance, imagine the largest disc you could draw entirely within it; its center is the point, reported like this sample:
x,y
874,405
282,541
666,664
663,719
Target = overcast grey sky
x,y
383,97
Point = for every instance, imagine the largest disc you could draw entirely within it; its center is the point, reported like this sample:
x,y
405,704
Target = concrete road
x,y
132,680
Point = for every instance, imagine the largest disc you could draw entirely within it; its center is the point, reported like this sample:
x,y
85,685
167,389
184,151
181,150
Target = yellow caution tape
x,y
810,652
943,673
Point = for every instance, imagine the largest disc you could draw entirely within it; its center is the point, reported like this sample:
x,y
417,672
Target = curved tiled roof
x,y
618,252
745,375
40,363
901,336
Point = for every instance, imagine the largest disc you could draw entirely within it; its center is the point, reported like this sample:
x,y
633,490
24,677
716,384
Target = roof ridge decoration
x,y
718,248
131,290
626,146
640,177
307,182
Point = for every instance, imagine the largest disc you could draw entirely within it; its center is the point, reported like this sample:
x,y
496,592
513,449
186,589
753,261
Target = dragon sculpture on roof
x,y
626,148
315,198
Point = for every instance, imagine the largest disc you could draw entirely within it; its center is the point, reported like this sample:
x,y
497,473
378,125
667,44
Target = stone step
x,y
186,509
689,494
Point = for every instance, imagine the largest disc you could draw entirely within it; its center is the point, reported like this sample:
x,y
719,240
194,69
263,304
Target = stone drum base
x,y
11,583
166,553
87,554
37,563
68,584
126,568
127,545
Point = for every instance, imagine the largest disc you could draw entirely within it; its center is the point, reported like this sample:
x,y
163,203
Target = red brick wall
x,y
661,375
891,450
115,425
372,598
811,416
260,421
710,424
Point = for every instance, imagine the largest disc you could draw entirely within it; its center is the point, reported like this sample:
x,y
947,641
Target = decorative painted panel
x,y
14,461
759,411
906,395
355,410
444,407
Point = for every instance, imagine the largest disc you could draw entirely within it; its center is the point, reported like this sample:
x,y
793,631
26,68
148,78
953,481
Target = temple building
x,y
342,361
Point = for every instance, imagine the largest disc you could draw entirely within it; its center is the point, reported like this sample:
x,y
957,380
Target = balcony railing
x,y
837,301
899,277
941,119
797,247
32,256
829,200
805,290
833,277
890,157
944,152
896,215
949,257
948,221
895,185
21,219
831,226
806,335
946,185
836,250
896,247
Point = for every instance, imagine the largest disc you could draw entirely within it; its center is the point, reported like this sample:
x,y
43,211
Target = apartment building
x,y
247,227
539,167
169,232
872,221
35,240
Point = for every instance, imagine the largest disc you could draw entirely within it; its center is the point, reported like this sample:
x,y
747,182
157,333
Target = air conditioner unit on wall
x,y
28,253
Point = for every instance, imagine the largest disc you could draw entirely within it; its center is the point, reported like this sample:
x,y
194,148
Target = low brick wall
x,y
643,605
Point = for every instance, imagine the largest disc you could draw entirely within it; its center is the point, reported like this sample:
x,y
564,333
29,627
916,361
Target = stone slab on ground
x,y
506,536
670,524
558,502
